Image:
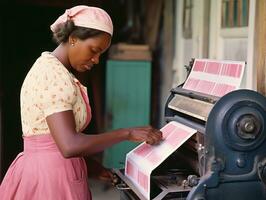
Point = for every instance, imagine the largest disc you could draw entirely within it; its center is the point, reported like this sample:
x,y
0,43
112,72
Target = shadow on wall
x,y
24,35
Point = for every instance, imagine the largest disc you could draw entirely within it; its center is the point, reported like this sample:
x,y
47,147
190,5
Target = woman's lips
x,y
88,67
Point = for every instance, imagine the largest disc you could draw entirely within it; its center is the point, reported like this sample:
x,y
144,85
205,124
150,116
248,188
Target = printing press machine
x,y
224,160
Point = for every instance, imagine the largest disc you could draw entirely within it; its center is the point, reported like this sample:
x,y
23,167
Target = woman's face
x,y
83,54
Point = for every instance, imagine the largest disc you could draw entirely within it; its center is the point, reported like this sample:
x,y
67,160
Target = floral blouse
x,y
50,88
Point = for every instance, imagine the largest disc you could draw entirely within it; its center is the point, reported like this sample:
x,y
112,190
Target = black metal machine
x,y
225,160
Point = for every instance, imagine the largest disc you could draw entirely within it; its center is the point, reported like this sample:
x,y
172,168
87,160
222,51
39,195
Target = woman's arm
x,y
73,144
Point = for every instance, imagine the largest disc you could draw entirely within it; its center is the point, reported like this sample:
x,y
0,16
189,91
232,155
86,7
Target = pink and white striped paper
x,y
141,161
215,77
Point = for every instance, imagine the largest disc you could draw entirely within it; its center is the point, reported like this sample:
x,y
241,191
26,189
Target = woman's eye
x,y
94,51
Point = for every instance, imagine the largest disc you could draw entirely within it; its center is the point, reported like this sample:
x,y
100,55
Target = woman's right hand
x,y
146,134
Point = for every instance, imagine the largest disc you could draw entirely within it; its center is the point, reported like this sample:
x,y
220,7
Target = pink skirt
x,y
40,172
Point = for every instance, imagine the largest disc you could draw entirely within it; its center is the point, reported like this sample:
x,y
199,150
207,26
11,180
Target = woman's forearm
x,y
81,144
72,144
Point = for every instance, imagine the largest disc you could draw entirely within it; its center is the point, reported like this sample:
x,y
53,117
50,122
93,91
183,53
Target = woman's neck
x,y
61,54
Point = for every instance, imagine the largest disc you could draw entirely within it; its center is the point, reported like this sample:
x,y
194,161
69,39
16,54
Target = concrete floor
x,y
101,191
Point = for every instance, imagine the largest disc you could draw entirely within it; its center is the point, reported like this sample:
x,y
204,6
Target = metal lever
x,y
122,186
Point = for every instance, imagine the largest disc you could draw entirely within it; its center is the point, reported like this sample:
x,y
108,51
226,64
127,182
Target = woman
x,y
55,110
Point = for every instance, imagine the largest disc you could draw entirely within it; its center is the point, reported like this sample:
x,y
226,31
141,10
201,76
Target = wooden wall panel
x,y
152,22
260,45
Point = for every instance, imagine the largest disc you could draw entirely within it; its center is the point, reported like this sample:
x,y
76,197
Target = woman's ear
x,y
72,40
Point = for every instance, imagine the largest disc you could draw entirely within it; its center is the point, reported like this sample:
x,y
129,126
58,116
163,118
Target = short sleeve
x,y
57,91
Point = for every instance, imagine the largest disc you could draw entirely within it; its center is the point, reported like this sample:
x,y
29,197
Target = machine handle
x,y
122,186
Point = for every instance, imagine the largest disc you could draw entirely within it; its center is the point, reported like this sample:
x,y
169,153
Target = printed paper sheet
x,y
141,161
215,77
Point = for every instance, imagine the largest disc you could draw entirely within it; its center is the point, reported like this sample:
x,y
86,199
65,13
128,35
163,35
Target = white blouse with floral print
x,y
47,89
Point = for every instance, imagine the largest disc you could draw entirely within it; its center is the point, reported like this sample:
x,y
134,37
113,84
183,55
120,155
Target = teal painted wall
x,y
128,94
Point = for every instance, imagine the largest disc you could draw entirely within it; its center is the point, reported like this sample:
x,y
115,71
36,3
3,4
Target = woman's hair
x,y
64,30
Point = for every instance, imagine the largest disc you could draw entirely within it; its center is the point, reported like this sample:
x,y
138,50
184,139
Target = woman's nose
x,y
95,59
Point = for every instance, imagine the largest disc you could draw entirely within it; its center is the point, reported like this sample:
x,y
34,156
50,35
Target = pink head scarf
x,y
88,17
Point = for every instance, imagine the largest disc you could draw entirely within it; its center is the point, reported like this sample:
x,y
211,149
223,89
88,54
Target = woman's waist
x,y
39,143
